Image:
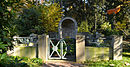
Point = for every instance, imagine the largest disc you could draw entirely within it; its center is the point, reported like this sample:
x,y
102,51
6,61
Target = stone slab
x,y
80,48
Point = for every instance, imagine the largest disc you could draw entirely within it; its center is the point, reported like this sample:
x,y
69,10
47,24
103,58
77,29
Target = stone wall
x,y
113,52
80,48
23,51
88,37
38,50
116,48
43,47
83,53
97,53
67,28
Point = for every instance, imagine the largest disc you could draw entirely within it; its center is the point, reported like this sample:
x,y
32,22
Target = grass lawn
x,y
125,62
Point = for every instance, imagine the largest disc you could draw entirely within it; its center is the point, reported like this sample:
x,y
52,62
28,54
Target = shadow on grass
x,y
126,52
126,55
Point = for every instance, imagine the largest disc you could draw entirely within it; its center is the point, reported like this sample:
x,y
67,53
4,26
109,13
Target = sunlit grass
x,y
126,53
15,61
111,63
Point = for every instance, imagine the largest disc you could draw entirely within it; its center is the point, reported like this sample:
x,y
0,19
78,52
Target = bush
x,y
16,61
37,60
3,47
84,27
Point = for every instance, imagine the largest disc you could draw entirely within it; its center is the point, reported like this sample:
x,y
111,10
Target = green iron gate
x,y
59,49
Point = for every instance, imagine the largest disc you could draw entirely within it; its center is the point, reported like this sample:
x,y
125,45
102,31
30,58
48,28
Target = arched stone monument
x,y
67,28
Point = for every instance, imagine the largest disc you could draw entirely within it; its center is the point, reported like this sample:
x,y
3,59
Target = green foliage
x,y
3,47
23,17
50,16
3,56
37,60
74,9
28,21
94,11
9,12
89,13
109,63
84,27
70,45
39,19
107,30
95,14
106,26
12,62
15,61
119,21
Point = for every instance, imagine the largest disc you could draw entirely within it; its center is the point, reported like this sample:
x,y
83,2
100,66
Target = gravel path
x,y
62,64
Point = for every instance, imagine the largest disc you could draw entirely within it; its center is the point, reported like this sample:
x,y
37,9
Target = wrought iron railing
x,y
24,40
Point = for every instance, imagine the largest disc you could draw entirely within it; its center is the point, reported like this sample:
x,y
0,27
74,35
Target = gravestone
x,y
67,28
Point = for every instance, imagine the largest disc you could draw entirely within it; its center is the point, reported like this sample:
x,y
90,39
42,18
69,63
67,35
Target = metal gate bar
x,y
55,48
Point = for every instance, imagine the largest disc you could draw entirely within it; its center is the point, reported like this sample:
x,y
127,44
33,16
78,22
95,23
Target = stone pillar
x,y
43,47
80,48
115,51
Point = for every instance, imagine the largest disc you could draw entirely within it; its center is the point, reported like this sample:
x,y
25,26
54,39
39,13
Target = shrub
x,y
16,61
3,47
84,27
37,60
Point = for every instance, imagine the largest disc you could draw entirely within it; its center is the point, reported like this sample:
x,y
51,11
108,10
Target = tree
x,y
74,9
50,17
40,18
82,10
8,14
95,13
28,21
120,20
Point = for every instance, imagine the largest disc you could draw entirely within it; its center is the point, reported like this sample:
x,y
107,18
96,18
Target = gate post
x,y
80,48
43,47
115,50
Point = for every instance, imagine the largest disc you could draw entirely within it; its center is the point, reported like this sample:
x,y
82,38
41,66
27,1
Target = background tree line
x,y
23,17
92,16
